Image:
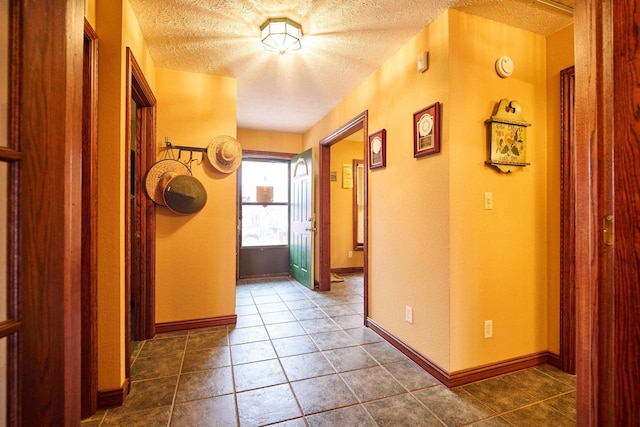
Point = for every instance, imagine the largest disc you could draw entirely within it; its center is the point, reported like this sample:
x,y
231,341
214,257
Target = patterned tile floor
x,y
302,358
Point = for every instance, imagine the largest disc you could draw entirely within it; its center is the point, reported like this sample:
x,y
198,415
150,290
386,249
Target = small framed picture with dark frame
x,y
378,149
426,131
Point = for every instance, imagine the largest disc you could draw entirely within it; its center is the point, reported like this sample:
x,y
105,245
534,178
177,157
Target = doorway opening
x,y
263,217
347,207
357,124
140,227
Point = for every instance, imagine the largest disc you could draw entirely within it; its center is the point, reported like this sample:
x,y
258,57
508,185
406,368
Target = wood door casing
x,y
11,156
608,184
143,214
50,138
89,390
567,222
625,145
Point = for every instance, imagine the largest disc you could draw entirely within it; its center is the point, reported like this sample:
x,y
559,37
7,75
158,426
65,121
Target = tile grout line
x,y
295,397
278,357
322,304
175,392
233,377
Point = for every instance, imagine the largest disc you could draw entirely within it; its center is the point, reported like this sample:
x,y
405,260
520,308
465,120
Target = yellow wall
x,y
344,152
559,57
498,257
90,12
132,38
270,141
408,200
117,29
455,263
195,275
109,21
195,255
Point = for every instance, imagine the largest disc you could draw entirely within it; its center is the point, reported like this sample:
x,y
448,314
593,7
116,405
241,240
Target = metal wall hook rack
x,y
181,148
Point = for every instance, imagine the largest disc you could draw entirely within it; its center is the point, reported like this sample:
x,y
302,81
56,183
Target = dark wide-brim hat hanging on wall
x,y
184,194
169,183
224,153
159,175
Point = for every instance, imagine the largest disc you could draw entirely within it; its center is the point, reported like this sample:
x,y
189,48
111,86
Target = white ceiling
x,y
343,43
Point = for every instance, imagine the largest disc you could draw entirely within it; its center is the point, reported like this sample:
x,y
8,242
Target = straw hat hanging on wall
x,y
169,183
159,176
224,153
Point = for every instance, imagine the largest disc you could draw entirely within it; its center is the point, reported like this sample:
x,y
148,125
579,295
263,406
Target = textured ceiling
x,y
343,43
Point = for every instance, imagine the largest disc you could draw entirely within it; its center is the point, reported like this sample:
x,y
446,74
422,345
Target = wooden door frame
x,y
360,122
607,275
12,155
567,222
622,153
50,138
89,267
594,93
144,216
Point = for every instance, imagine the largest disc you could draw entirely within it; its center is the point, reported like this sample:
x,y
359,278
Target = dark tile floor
x,y
302,358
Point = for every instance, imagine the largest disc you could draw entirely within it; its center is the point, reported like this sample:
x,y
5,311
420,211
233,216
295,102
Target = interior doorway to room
x,y
140,242
347,206
355,125
263,217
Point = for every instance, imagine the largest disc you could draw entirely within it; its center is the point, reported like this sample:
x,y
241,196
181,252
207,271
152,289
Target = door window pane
x,y
265,182
264,196
265,225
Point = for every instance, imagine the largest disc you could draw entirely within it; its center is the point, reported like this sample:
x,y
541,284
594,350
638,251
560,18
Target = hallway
x,y
302,358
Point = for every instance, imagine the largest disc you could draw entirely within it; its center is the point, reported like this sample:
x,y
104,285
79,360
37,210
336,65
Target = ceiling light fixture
x,y
281,35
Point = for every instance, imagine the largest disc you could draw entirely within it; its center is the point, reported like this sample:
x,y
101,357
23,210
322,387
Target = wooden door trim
x,y
89,381
354,204
324,203
594,136
145,323
625,274
13,155
567,223
51,213
144,215
621,171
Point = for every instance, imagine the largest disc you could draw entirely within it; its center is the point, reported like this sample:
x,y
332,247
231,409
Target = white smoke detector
x,y
504,66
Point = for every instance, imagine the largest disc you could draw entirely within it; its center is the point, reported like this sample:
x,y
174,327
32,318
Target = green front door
x,y
302,224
